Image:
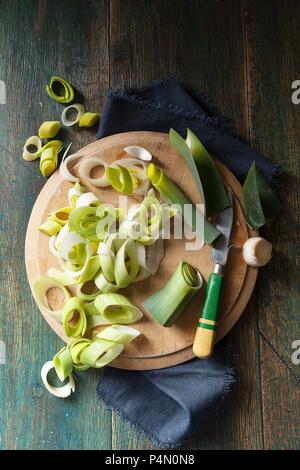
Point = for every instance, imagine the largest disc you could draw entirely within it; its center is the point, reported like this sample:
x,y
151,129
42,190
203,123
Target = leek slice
x,y
50,227
107,254
56,145
67,87
64,168
60,392
150,257
63,364
61,277
90,270
83,221
74,318
61,216
87,199
87,297
79,108
33,141
74,194
40,289
49,129
167,303
86,167
138,152
76,346
120,179
197,221
104,285
89,119
116,308
261,203
215,196
126,264
100,353
48,161
118,334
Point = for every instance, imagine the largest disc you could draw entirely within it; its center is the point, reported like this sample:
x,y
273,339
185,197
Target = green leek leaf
x,y
261,203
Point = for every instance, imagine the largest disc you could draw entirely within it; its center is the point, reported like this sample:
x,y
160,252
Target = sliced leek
x,y
116,308
50,227
168,189
60,392
63,364
166,304
35,142
74,194
68,95
87,199
48,161
76,347
120,179
89,119
49,129
74,318
118,334
85,170
40,289
79,109
126,264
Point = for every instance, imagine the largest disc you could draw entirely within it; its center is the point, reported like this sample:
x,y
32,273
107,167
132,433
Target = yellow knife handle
x,y
206,329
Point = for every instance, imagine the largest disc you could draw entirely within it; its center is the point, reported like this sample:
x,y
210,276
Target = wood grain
x,y
245,55
38,39
271,47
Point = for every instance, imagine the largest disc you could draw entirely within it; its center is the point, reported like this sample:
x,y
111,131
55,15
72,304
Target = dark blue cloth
x,y
170,404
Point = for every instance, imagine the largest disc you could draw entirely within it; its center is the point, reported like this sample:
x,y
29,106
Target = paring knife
x,y
207,325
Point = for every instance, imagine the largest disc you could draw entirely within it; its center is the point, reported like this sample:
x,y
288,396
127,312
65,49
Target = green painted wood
x,y
202,43
243,54
38,39
272,37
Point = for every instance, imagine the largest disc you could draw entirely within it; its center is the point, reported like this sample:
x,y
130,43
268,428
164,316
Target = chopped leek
x,y
89,119
74,318
116,308
35,142
60,392
173,193
166,304
63,363
49,129
40,289
79,108
68,95
120,179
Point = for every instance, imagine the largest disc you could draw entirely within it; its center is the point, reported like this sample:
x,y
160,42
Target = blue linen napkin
x,y
170,404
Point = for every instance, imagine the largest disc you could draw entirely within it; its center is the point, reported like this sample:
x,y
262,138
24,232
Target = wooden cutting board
x,y
157,347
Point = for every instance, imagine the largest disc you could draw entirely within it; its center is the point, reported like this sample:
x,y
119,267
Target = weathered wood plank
x,y
38,39
202,43
272,38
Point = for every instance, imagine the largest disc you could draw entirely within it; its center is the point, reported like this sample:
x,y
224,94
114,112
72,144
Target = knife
x,y
207,324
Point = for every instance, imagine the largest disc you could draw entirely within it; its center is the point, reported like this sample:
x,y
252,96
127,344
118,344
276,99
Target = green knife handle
x,y
207,325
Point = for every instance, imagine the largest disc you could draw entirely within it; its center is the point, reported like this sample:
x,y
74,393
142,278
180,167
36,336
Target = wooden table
x,y
244,54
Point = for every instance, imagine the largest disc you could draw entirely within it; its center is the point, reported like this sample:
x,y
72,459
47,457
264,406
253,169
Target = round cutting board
x,y
157,346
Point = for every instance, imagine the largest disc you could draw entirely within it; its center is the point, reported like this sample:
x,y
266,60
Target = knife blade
x,y
220,249
207,324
